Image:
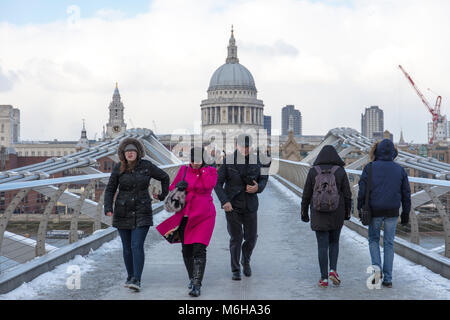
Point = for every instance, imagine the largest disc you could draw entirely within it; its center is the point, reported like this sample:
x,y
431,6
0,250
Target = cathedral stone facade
x,y
232,103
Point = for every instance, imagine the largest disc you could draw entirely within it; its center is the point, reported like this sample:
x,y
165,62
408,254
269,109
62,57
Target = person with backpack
x,y
327,193
195,221
389,188
132,213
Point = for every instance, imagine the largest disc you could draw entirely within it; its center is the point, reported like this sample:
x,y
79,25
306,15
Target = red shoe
x,y
323,283
334,277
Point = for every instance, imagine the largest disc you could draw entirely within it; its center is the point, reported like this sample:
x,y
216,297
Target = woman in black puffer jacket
x,y
133,206
328,225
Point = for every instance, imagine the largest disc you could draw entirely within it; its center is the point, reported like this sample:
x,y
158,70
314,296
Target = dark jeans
x,y
241,225
328,245
133,250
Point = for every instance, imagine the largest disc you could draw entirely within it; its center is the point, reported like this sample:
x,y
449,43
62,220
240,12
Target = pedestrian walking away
x,y
132,212
195,222
389,188
241,174
328,196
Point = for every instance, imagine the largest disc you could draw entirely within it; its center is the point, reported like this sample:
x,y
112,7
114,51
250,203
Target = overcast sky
x,y
60,60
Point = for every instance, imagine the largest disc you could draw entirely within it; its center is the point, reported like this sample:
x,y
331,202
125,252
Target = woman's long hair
x,y
126,166
372,151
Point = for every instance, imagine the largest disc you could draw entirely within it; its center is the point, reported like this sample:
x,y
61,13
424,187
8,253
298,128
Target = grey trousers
x,y
241,226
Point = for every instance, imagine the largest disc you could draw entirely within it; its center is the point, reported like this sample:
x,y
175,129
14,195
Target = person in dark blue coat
x,y
389,188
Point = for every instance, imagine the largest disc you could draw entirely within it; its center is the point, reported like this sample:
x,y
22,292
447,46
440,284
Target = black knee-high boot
x,y
198,271
189,263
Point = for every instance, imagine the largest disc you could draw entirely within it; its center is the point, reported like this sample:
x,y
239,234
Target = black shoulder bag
x,y
365,214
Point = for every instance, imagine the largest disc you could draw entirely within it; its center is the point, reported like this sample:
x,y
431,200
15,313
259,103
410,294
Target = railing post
x,y
354,187
414,220
73,236
9,211
444,217
355,190
98,218
40,241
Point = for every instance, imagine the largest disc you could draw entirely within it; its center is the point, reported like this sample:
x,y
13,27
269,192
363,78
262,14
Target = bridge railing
x,y
46,216
429,224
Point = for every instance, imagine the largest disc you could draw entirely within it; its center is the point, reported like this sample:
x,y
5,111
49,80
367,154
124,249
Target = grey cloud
x,y
279,48
7,80
76,69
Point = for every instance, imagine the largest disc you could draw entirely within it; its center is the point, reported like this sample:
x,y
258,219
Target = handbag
x,y
365,213
175,202
173,236
176,199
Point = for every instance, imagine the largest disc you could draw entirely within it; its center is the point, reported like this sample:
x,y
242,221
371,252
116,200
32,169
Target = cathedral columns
x,y
239,115
232,114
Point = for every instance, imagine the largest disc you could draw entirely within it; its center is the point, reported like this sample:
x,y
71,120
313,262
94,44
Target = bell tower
x,y
116,125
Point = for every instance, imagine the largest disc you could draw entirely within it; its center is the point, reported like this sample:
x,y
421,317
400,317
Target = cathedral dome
x,y
232,76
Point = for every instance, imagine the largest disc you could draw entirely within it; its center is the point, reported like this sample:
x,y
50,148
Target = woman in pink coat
x,y
196,221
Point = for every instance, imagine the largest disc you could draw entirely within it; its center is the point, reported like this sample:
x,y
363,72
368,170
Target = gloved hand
x,y
182,185
404,219
247,180
305,217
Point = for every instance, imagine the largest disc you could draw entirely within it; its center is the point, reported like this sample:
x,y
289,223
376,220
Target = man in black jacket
x,y
241,173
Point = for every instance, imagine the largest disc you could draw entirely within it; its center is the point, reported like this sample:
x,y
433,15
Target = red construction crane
x,y
435,112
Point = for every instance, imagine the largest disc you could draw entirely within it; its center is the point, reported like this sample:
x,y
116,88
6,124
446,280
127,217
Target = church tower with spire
x,y
116,125
402,140
83,143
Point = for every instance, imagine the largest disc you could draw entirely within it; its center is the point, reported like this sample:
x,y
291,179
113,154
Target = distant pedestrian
x,y
243,178
132,213
389,188
327,191
197,219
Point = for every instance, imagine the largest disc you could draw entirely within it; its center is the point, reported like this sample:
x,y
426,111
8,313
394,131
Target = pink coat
x,y
199,205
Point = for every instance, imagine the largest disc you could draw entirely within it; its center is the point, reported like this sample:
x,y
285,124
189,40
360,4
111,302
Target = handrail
x,y
34,196
296,173
434,182
80,178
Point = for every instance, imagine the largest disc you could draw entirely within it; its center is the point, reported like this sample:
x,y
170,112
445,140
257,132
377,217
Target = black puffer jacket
x,y
326,221
133,204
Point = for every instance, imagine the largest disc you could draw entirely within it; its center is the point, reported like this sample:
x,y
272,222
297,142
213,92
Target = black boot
x,y
198,271
247,270
188,262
